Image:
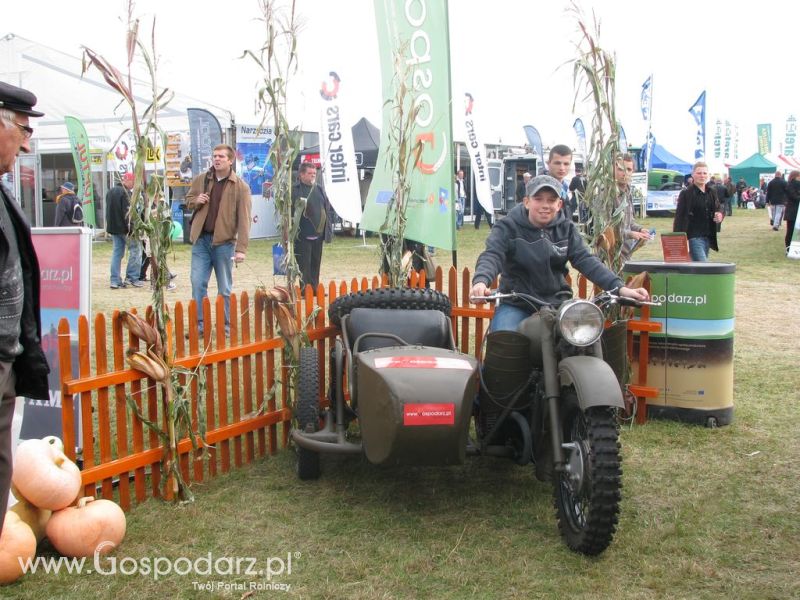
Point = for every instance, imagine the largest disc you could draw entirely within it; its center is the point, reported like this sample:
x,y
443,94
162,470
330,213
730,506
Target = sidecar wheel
x,y
587,496
397,298
306,411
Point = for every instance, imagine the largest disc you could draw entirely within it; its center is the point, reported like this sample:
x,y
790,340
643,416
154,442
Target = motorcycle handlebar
x,y
610,296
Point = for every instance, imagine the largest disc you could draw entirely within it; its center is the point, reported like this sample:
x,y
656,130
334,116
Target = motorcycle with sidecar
x,y
542,395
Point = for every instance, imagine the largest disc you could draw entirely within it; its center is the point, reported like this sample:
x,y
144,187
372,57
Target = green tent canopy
x,y
751,168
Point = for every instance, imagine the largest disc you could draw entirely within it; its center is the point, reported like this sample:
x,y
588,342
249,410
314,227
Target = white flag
x,y
337,153
480,170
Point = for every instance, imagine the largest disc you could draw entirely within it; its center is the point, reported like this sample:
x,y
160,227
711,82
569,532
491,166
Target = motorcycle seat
x,y
415,327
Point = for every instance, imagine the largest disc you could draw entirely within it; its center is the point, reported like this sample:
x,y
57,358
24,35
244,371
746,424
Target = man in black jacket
x,y
316,224
776,198
118,226
698,213
530,249
23,366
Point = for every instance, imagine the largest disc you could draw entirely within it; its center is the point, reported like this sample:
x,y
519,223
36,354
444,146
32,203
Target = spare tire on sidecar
x,y
410,389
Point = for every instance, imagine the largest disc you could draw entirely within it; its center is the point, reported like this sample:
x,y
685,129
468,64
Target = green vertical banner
x,y
79,142
418,31
764,138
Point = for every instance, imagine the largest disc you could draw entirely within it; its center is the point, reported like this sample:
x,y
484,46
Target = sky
x,y
513,56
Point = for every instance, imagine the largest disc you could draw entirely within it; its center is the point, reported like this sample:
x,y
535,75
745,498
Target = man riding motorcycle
x,y
530,248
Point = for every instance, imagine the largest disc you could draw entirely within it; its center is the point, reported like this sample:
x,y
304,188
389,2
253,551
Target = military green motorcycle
x,y
542,396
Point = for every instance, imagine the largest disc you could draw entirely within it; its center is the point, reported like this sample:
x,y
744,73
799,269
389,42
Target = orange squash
x,y
36,518
45,476
17,544
91,526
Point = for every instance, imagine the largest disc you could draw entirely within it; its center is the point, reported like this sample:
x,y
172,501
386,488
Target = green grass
x,y
705,513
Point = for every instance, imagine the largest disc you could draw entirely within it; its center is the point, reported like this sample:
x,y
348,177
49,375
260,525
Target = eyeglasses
x,y
26,130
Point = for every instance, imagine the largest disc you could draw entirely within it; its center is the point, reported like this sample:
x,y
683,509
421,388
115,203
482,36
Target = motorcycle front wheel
x,y
587,492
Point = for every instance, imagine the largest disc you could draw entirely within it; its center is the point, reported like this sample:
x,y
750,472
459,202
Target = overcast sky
x,y
511,55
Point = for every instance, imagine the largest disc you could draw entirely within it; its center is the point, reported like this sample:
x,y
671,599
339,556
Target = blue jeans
x,y
204,258
507,317
460,212
134,258
698,249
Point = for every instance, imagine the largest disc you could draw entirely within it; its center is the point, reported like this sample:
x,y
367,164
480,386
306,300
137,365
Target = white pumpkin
x,y
45,476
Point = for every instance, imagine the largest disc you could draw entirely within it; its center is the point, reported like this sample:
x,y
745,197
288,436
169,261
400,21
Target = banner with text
x,y
65,263
417,34
205,132
79,144
338,152
791,136
480,170
253,144
764,131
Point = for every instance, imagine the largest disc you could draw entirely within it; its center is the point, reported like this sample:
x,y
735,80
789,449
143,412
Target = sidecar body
x,y
398,373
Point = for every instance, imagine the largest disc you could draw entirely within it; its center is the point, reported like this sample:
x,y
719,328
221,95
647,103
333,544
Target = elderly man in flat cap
x,y
23,366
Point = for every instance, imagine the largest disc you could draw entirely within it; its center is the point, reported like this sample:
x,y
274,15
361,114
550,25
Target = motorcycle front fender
x,y
594,381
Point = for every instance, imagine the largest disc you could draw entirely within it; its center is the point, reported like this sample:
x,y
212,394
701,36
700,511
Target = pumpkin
x,y
17,544
36,518
55,442
45,476
90,526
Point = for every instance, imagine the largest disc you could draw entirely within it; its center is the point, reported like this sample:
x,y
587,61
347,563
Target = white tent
x,y
785,163
55,78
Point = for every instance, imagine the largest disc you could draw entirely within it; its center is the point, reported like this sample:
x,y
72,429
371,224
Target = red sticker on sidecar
x,y
429,414
421,362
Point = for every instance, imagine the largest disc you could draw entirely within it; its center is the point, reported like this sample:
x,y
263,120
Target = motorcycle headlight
x,y
580,322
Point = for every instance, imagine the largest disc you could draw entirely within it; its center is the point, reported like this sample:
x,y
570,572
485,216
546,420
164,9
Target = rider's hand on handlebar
x,y
639,294
479,290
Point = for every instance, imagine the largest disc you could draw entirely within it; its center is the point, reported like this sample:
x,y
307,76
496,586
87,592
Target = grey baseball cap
x,y
540,182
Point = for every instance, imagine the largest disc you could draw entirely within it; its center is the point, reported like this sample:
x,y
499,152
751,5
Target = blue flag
x,y
623,141
534,139
580,132
648,150
698,111
647,97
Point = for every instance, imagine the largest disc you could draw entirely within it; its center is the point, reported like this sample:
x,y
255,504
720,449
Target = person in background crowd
x,y
160,206
520,193
731,189
66,201
689,182
220,228
634,234
698,213
578,188
118,226
559,162
741,186
776,199
792,202
461,198
722,197
316,224
23,365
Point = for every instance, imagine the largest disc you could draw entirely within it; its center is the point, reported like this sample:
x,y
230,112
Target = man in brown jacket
x,y
220,228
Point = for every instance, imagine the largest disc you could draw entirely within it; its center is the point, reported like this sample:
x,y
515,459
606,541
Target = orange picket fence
x,y
239,388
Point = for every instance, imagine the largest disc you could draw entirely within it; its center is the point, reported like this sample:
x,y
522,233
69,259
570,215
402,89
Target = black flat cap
x,y
18,100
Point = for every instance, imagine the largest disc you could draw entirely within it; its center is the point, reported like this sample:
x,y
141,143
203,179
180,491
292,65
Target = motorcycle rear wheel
x,y
587,497
306,412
